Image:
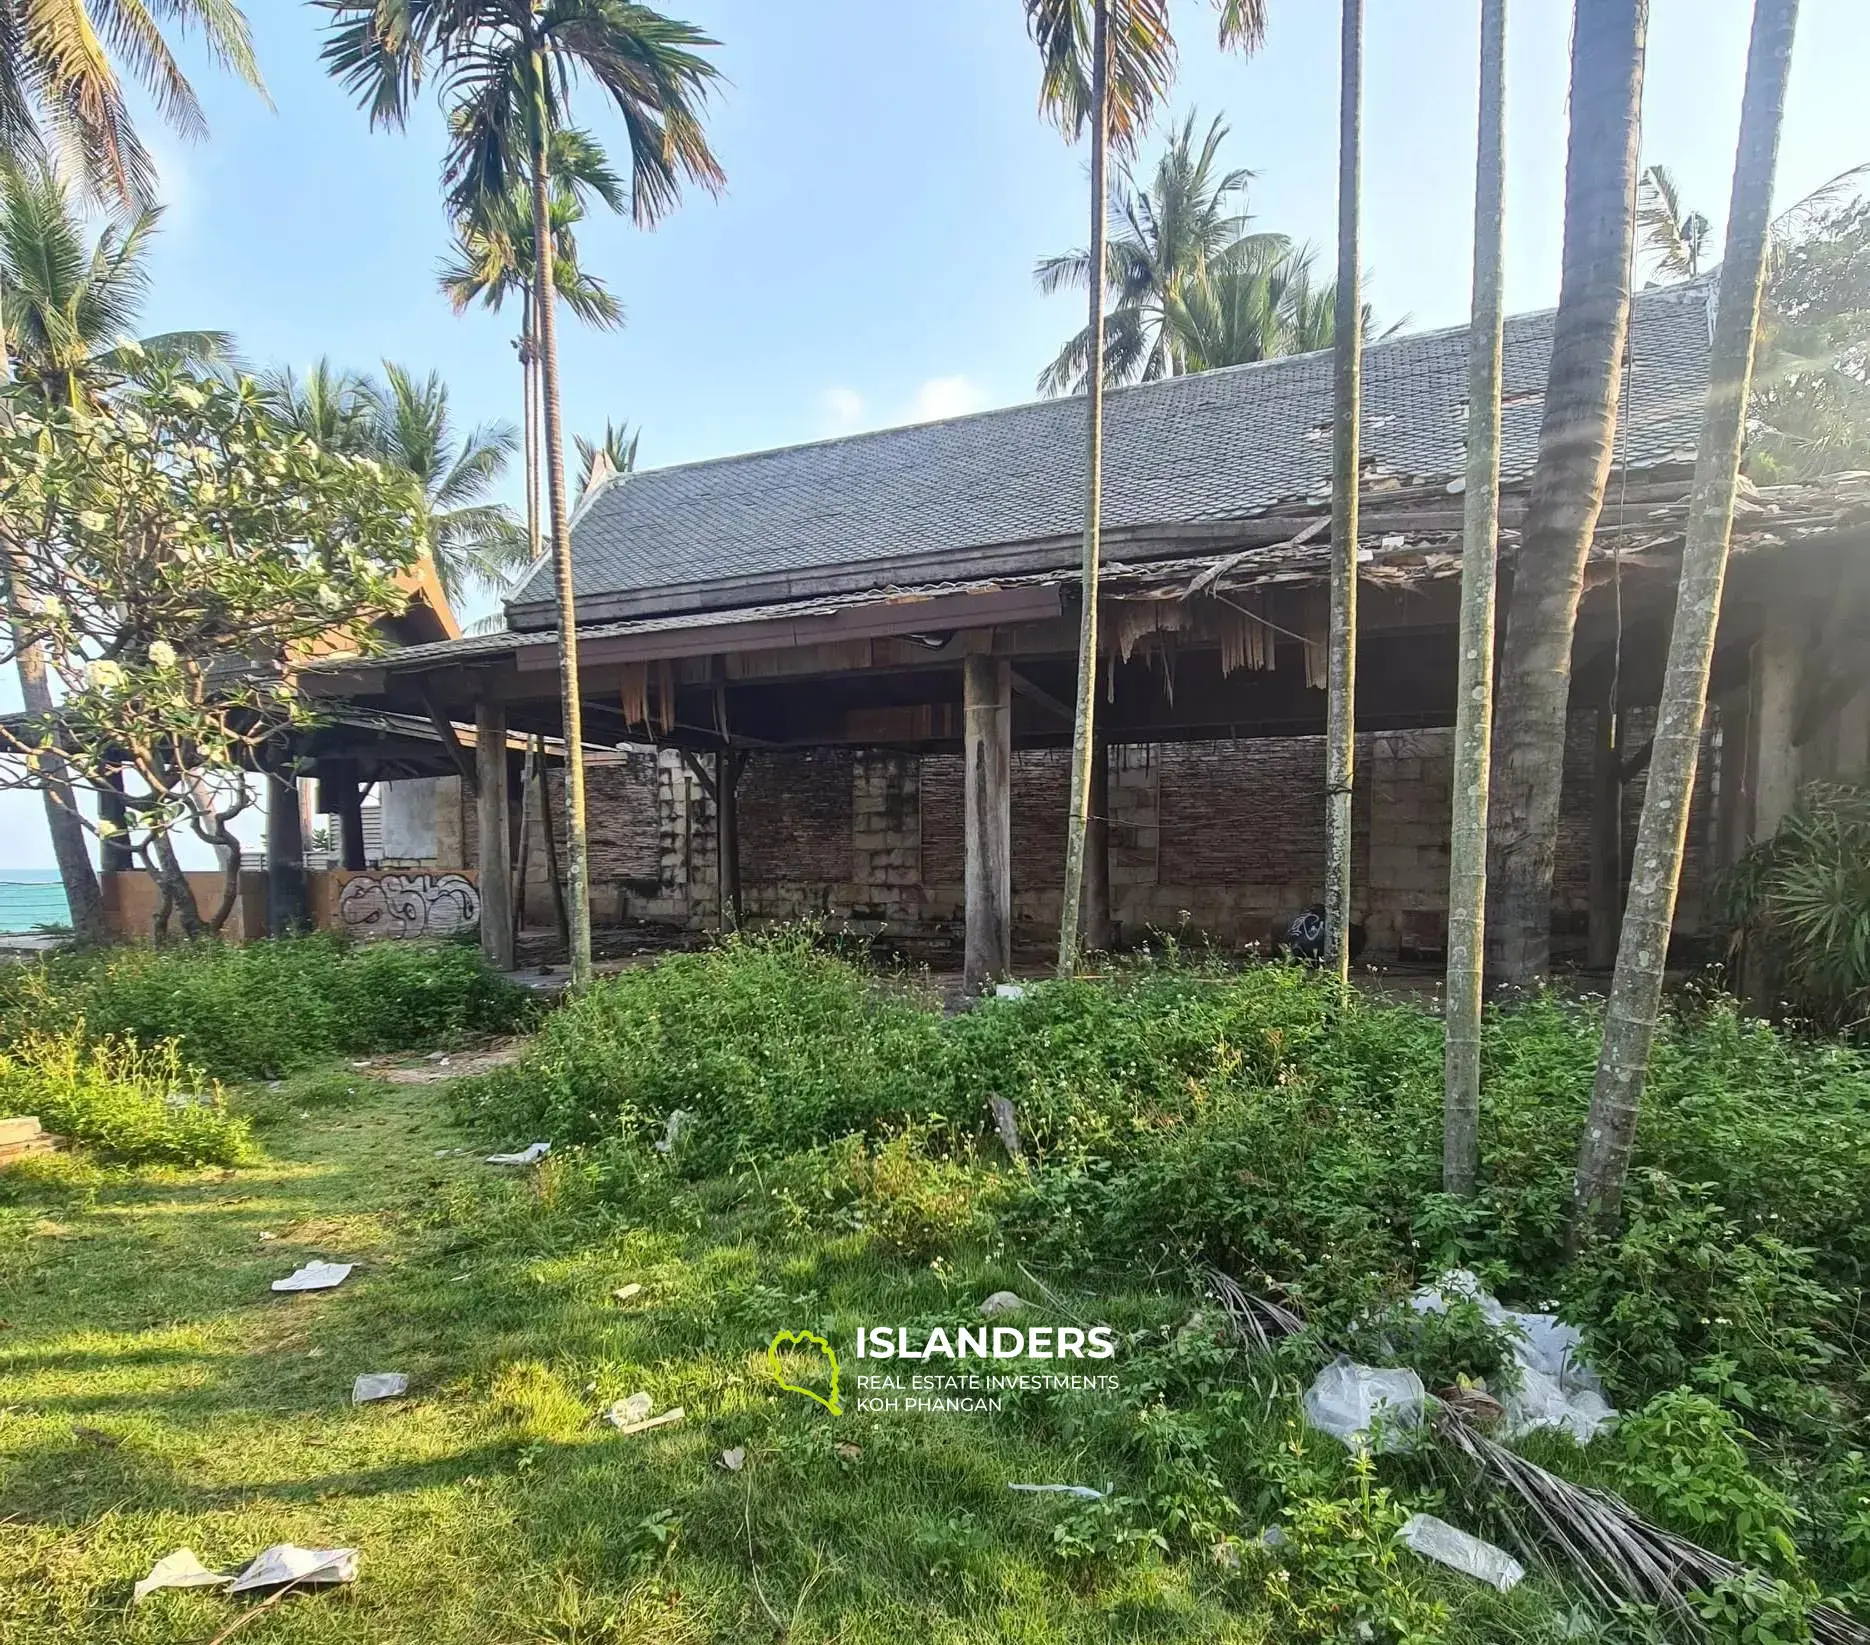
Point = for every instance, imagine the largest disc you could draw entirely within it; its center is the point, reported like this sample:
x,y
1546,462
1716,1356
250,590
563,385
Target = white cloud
x,y
946,397
843,409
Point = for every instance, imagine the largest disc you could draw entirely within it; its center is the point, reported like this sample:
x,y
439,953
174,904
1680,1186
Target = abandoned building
x,y
835,680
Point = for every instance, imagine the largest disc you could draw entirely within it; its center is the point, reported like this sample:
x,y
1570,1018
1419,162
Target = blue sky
x,y
890,187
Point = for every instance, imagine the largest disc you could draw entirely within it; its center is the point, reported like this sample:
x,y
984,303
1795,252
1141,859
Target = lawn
x,y
837,1171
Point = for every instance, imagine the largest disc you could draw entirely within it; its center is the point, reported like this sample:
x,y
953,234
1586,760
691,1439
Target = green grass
x,y
154,1394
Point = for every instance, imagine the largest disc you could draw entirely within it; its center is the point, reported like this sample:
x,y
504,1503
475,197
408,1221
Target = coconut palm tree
x,y
1480,532
1347,405
507,68
69,302
599,460
1248,308
1165,234
333,407
1676,238
1104,65
1577,439
493,259
1636,987
66,306
471,540
60,93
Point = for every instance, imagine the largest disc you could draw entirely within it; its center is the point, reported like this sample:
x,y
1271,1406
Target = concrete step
x,y
12,1151
18,1129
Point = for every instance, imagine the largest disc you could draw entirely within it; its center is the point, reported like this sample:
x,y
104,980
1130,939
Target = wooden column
x,y
1777,667
496,852
987,743
344,796
286,909
113,851
1094,926
1606,891
728,765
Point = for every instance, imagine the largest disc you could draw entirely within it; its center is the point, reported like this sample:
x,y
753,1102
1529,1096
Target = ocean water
x,y
29,898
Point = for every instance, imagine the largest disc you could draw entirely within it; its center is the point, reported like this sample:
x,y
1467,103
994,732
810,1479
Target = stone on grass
x,y
1002,1302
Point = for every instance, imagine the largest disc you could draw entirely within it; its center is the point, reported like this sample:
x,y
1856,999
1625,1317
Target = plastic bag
x,y
1348,1401
1436,1539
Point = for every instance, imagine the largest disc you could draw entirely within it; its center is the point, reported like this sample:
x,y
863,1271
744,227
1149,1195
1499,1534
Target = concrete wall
x,y
130,902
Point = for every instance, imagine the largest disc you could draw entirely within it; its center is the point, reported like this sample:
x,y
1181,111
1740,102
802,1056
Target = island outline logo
x,y
788,1339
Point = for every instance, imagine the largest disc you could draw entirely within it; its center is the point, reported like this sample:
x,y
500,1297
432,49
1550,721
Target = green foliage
x,y
1800,903
771,1043
124,1101
1681,1458
260,1010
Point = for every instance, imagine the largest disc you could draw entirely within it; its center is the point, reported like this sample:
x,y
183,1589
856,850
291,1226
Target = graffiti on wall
x,y
408,905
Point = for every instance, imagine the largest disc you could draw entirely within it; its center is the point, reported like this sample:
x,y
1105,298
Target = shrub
x,y
769,1042
138,1104
259,1010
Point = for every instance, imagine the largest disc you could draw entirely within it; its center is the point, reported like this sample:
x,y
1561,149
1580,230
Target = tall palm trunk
x,y
1636,988
1480,532
1347,391
546,298
1084,732
529,372
1576,441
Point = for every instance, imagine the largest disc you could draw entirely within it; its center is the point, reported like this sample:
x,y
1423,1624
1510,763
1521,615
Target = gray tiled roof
x,y
1208,448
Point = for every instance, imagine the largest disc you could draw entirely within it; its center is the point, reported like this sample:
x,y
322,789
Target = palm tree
x,y
1576,442
1246,309
65,306
1104,69
1677,239
507,68
1165,235
599,460
67,303
334,408
60,93
493,259
470,540
1636,987
1480,532
1347,404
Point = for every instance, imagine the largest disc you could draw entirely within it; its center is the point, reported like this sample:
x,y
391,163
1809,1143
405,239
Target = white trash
x,y
673,1129
1085,1493
526,1156
1436,1539
315,1276
304,1567
373,1385
1348,1401
1539,1402
627,1413
181,1569
1008,991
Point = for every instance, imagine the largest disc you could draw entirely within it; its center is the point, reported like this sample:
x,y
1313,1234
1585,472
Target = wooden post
x,y
496,854
987,743
286,909
548,837
1606,891
113,853
728,764
523,853
1095,932
1778,664
343,795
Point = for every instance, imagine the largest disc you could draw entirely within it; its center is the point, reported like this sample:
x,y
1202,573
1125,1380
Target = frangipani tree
x,y
177,548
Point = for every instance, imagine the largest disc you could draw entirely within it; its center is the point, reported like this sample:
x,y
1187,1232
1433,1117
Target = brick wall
x,y
1225,838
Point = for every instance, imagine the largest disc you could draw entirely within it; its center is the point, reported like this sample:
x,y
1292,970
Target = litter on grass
x,y
624,1293
303,1567
677,1123
1085,1492
315,1276
668,1419
372,1385
526,1156
1436,1539
736,1459
1350,1402
181,1569
1558,1389
627,1412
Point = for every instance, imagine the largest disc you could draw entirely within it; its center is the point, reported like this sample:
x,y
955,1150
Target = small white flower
x,y
162,654
105,675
